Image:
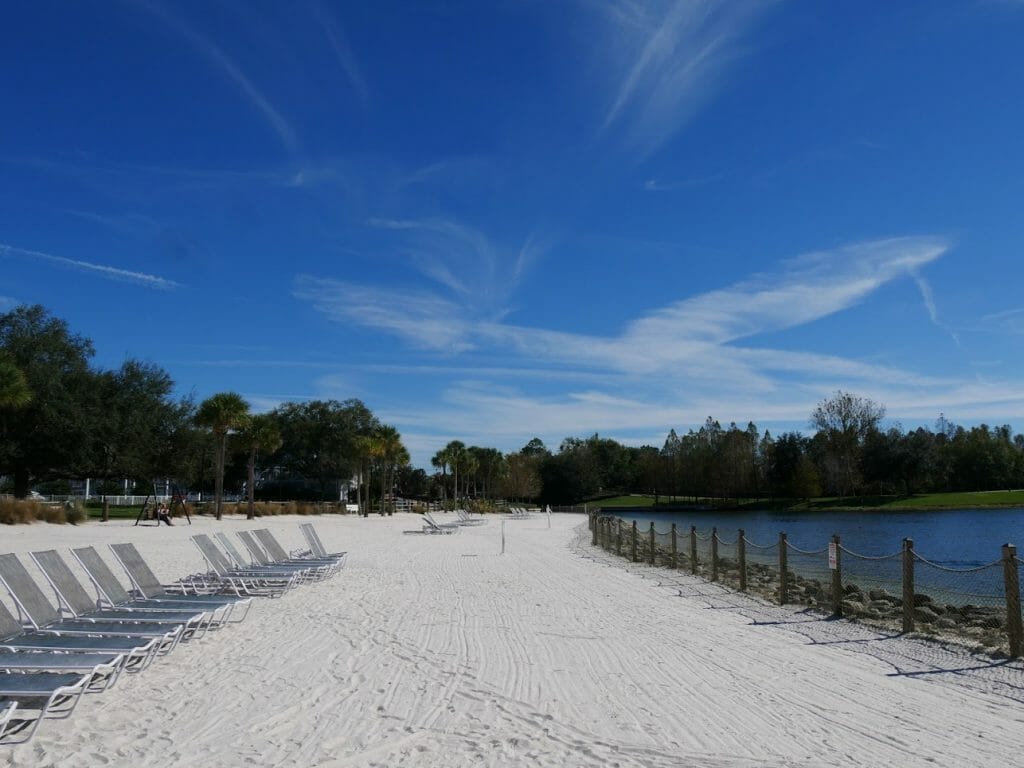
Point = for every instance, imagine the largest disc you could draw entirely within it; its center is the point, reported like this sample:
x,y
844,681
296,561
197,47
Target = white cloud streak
x,y
229,69
343,52
668,59
670,366
102,270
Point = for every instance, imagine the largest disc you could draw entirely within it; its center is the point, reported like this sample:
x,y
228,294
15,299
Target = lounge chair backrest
x,y
142,577
63,581
233,554
9,626
104,579
218,562
313,539
26,592
258,555
274,549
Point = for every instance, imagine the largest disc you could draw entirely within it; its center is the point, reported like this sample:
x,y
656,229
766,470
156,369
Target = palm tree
x,y
365,449
440,460
222,413
456,451
14,389
391,452
260,434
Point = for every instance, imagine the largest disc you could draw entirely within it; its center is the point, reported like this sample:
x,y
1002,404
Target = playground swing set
x,y
148,516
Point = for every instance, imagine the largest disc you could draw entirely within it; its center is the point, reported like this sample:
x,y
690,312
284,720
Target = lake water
x,y
957,538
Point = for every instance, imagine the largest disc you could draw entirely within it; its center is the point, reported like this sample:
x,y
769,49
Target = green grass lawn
x,y
116,513
957,500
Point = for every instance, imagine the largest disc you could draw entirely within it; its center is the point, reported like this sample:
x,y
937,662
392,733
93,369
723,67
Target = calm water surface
x,y
955,538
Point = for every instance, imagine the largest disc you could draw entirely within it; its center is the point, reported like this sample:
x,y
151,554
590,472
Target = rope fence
x,y
980,603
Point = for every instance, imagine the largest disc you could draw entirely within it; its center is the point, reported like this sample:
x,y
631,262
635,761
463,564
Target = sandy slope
x,y
438,651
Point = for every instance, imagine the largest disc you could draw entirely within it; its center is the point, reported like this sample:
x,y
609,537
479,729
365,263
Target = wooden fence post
x,y
618,536
635,537
693,549
714,554
741,555
908,585
675,549
650,557
783,568
1011,575
837,580
593,528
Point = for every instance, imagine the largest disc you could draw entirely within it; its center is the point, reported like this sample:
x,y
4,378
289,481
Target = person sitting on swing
x,y
163,514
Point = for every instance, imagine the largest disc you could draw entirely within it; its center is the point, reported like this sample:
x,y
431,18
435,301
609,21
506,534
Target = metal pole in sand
x,y
503,537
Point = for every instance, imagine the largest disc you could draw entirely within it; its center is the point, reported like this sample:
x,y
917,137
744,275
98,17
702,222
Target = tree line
x,y
61,418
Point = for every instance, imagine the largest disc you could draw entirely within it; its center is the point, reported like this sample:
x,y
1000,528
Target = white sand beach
x,y
439,651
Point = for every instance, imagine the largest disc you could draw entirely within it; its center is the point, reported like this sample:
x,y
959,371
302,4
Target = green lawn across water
x,y
956,500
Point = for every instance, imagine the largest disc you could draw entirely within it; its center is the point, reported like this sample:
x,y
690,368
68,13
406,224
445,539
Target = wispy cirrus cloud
x,y
803,290
473,280
712,354
667,59
426,320
341,49
101,270
660,185
228,68
1010,320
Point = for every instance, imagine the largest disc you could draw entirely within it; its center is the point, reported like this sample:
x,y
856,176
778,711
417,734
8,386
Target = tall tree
x,y
221,414
14,388
320,440
46,437
441,460
456,452
391,454
844,421
131,416
260,434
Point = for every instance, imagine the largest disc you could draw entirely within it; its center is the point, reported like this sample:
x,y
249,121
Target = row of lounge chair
x,y
462,518
519,513
50,656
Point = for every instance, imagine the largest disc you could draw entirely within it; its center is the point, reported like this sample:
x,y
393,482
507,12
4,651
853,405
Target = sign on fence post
x,y
693,549
675,549
741,555
1011,574
837,576
908,585
714,554
783,568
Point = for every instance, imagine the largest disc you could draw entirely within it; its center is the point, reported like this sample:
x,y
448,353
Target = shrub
x,y
15,511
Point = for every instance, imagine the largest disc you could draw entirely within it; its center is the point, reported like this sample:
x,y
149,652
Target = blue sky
x,y
491,221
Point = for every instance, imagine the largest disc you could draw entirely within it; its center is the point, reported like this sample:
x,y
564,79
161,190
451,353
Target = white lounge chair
x,y
195,588
73,598
32,604
136,654
112,594
37,696
250,581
